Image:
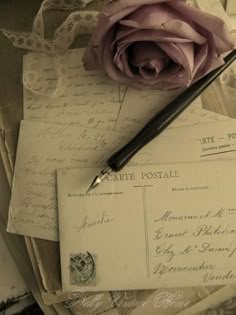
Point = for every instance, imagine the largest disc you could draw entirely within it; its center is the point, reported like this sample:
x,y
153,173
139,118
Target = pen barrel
x,y
165,117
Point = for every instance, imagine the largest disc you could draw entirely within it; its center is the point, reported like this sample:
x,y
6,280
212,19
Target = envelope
x,y
148,227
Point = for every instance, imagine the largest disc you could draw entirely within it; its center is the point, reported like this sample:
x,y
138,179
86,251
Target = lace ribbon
x,y
78,22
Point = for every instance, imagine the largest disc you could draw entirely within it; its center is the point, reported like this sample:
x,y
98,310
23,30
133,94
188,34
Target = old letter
x,y
182,219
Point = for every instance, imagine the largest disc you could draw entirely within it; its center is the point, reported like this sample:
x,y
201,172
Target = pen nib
x,y
99,178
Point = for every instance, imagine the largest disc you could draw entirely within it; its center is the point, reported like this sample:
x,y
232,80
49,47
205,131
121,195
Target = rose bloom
x,y
163,44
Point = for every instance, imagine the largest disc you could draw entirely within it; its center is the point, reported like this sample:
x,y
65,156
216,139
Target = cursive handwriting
x,y
215,276
169,215
88,223
162,269
89,99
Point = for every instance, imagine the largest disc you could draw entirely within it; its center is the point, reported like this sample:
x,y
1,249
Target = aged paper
x,y
217,140
43,148
51,282
215,7
5,158
90,98
113,311
12,284
140,106
226,293
17,246
185,237
231,7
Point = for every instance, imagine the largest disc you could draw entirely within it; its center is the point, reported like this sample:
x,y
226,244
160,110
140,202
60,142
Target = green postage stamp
x,y
83,269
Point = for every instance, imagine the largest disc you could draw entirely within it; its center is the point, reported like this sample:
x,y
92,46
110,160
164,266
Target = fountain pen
x,y
160,122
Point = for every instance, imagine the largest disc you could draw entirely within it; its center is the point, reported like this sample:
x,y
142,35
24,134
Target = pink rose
x,y
159,43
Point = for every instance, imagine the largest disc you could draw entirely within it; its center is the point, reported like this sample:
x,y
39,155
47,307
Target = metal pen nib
x,y
99,178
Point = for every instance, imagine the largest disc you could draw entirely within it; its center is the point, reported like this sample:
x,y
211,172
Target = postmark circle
x,y
82,267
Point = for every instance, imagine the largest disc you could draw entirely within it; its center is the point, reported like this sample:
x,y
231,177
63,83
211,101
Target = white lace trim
x,y
78,22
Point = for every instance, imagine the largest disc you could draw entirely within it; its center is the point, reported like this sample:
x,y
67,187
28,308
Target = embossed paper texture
x,y
182,238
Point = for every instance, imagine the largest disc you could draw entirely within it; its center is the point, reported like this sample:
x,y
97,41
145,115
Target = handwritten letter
x,y
90,99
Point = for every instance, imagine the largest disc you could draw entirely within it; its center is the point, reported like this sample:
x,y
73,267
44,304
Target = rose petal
x,y
91,60
109,65
143,52
210,22
98,39
121,60
119,5
184,30
105,22
211,62
220,45
149,58
147,74
167,80
150,35
126,66
123,31
117,58
200,58
159,16
151,16
183,55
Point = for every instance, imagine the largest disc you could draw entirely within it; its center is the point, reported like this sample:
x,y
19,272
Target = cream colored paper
x,y
231,7
90,98
114,311
217,140
17,246
12,284
140,106
216,8
178,219
43,148
218,297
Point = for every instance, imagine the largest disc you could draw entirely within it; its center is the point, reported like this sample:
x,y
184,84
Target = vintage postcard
x,y
44,147
155,226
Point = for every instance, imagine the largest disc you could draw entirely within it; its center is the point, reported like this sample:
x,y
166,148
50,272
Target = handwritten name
x,y
88,223
210,230
170,216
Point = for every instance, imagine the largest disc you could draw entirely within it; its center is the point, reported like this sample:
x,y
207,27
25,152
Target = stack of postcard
x,y
162,222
